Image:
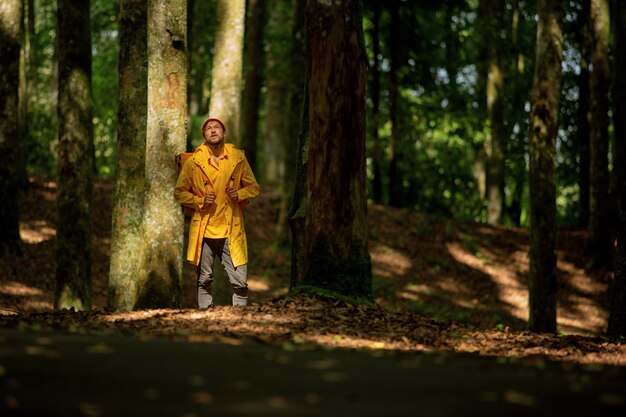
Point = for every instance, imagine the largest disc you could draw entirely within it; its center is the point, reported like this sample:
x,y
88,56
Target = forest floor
x,y
440,285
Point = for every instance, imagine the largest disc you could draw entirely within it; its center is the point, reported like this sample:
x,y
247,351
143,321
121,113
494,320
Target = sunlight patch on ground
x,y
19,289
388,262
511,292
257,284
36,305
577,279
352,342
36,231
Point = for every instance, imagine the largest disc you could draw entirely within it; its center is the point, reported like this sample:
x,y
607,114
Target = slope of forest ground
x,y
440,285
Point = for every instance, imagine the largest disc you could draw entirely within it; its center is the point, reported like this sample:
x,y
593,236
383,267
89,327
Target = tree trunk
x,y
75,156
23,102
333,239
296,70
617,319
277,95
166,136
253,69
396,187
377,181
543,131
494,89
226,79
10,18
599,244
583,133
127,240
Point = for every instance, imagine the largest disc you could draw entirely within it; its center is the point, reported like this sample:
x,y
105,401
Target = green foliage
x,y
42,119
105,49
42,95
441,116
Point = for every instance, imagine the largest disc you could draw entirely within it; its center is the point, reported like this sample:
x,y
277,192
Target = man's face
x,y
213,133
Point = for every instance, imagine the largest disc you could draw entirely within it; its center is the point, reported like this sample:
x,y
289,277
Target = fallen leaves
x,y
307,322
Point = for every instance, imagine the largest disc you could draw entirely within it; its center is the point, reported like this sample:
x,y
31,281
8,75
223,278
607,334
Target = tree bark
x,y
75,156
617,319
10,28
166,136
599,243
333,237
127,240
491,11
226,79
253,69
543,131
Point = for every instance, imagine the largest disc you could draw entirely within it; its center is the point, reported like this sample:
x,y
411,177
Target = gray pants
x,y
237,276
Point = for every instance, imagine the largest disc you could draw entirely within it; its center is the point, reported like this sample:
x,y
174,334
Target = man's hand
x,y
232,193
209,198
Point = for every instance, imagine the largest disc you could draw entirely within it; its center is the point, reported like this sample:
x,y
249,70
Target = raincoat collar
x,y
201,157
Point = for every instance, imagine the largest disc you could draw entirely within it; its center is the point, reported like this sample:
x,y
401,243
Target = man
x,y
216,182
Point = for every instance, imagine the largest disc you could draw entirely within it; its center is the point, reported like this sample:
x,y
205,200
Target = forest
x,y
441,183
443,176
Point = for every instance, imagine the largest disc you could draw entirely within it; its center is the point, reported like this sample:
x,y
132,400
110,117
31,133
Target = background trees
x,y
447,108
543,131
75,156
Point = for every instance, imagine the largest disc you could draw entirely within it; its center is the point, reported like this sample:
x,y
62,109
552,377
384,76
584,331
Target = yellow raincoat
x,y
192,185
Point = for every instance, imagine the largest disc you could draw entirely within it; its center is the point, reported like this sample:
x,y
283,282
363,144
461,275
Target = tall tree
x,y
583,131
599,244
377,181
396,188
10,27
75,156
493,75
617,319
329,217
543,131
166,136
127,240
278,39
226,77
23,100
253,69
295,87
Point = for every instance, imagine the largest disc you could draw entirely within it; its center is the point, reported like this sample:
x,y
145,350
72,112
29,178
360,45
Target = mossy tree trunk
x,y
10,27
617,320
127,240
543,131
226,76
494,73
254,62
329,218
166,136
75,156
599,244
